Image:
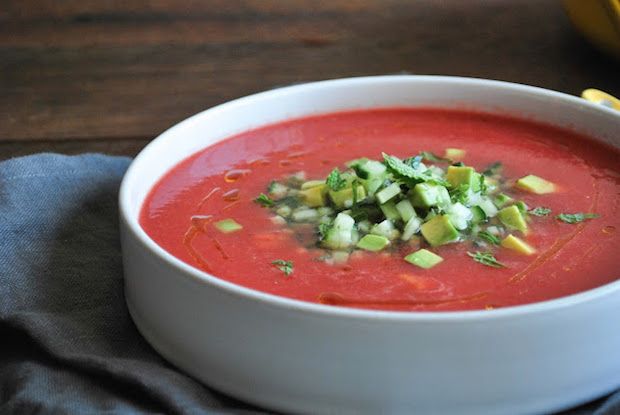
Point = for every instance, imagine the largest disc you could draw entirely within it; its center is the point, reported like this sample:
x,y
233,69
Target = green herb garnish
x,y
407,173
489,237
539,211
493,169
486,258
335,180
264,200
285,266
575,217
427,155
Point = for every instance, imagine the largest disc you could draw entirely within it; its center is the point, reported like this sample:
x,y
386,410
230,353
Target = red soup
x,y
397,209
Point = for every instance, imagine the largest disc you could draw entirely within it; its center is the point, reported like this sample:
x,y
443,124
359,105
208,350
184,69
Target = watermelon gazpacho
x,y
397,209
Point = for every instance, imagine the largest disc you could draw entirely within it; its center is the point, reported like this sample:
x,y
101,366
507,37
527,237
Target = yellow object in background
x,y
603,98
599,21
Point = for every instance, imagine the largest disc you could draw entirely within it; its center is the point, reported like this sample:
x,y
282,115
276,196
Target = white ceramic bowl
x,y
310,358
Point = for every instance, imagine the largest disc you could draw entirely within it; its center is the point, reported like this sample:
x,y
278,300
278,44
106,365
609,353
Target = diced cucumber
x,y
373,243
423,258
305,215
228,226
502,199
478,215
364,226
284,211
488,207
390,211
277,190
371,169
411,227
459,216
340,235
405,210
388,193
385,228
426,195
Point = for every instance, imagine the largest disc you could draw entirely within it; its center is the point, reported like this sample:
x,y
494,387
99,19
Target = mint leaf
x,y
334,181
486,258
575,217
403,171
539,211
285,266
264,200
489,237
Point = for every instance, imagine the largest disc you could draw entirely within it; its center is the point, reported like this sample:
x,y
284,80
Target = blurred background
x,y
108,76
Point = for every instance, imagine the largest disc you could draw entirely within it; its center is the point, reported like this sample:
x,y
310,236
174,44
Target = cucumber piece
x,y
387,193
373,243
488,207
478,215
502,199
340,235
426,195
423,259
228,226
411,227
390,211
405,210
370,169
459,216
305,215
386,229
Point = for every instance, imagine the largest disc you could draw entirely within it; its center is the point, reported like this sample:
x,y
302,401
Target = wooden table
x,y
108,76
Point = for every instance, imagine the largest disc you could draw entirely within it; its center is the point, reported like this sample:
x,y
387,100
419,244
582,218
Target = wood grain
x,y
77,71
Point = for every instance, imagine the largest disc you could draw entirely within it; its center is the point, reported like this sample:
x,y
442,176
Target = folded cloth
x,y
67,343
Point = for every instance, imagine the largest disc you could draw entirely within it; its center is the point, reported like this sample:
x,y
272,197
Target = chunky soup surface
x,y
223,181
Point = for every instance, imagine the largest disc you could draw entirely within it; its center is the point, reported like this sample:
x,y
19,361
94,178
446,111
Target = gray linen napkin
x,y
67,343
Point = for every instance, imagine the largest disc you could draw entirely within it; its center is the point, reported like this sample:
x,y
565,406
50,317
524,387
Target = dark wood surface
x,y
108,76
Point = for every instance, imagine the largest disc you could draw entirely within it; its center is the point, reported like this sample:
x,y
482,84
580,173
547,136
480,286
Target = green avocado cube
x,y
344,198
458,175
423,259
373,243
426,195
535,184
439,230
314,196
512,218
228,226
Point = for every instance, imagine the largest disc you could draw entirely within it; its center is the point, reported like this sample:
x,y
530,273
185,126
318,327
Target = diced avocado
x,y
344,197
455,154
312,183
387,193
502,199
535,184
340,235
314,196
228,226
478,215
390,211
458,175
385,228
512,218
517,244
423,259
373,243
439,231
412,227
405,209
426,195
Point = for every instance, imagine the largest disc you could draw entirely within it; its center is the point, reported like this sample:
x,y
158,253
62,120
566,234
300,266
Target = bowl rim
x,y
203,278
